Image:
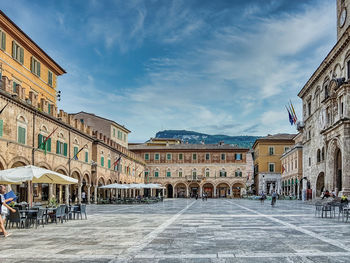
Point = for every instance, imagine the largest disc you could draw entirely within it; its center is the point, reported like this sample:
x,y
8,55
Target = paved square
x,y
186,230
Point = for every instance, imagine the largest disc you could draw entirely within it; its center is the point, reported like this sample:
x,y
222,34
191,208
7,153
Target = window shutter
x,y
65,149
3,40
109,163
1,127
38,69
40,141
21,55
86,157
32,64
57,147
48,145
13,49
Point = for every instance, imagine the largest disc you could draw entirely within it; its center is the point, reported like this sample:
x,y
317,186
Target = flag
x,y
75,157
290,117
43,144
3,108
295,116
283,168
140,174
117,161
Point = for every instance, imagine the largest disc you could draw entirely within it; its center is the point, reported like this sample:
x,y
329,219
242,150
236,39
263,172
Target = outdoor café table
x,y
28,214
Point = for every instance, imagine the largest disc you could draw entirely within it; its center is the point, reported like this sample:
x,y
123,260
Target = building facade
x,y
292,168
25,123
326,115
187,170
267,164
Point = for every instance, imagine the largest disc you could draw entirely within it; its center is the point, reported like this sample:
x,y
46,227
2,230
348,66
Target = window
x,y
271,151
15,87
168,174
238,156
207,172
86,157
156,156
296,164
17,52
309,108
194,175
348,63
50,108
168,156
194,156
120,135
102,161
318,157
223,173
113,132
61,148
223,157
238,173
41,145
156,174
207,156
35,66
271,167
124,137
322,154
146,156
146,174
309,161
1,128
180,173
75,152
180,156
49,78
21,135
286,148
3,40
309,135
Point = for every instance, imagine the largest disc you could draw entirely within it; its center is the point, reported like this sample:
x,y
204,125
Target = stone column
x,y
79,193
88,194
50,191
134,193
187,191
200,191
214,192
66,193
346,166
163,192
298,190
231,191
95,194
60,194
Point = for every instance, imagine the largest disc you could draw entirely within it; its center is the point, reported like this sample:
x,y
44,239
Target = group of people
x,y
274,196
83,197
327,194
4,210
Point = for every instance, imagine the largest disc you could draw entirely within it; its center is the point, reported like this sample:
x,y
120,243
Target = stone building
x,y
29,115
292,168
326,115
186,170
267,164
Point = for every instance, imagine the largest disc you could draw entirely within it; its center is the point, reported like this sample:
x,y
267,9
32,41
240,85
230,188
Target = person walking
x,y
274,198
4,210
83,196
262,198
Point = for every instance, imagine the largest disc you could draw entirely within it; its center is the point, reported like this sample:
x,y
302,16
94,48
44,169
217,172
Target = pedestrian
x,y
4,210
262,198
333,194
83,196
196,196
73,197
206,196
274,197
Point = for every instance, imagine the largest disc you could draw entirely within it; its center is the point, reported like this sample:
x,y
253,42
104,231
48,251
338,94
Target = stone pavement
x,y
186,230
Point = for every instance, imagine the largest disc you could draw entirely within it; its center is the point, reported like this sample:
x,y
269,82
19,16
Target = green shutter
x,y
48,145
32,64
102,161
109,164
38,73
65,149
3,40
86,157
1,127
57,147
21,55
13,49
40,141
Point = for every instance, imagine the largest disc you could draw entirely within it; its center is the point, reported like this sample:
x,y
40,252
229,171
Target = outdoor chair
x,y
16,218
328,208
76,211
318,208
57,215
81,211
63,212
40,216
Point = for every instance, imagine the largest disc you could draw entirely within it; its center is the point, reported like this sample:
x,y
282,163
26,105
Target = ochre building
x,y
187,170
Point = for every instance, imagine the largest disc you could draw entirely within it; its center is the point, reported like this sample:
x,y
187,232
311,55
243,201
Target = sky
x,y
217,67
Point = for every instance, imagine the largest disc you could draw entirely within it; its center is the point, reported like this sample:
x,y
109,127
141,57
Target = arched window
x,y
222,172
318,155
43,142
168,173
21,130
322,154
238,173
61,146
194,174
180,172
156,172
207,172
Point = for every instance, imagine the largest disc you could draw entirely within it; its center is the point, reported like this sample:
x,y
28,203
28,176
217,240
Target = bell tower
x,y
343,19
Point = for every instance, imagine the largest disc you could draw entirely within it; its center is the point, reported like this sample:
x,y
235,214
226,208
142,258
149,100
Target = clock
x,y
342,17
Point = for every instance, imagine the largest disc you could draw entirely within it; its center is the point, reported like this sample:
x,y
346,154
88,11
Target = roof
x,y
276,137
31,40
111,121
165,139
188,147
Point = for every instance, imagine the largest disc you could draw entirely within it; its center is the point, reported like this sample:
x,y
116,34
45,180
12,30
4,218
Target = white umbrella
x,y
115,186
35,174
153,186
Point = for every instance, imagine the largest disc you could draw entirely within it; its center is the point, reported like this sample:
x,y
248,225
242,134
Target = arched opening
x,y
22,189
223,190
208,189
194,189
338,170
18,164
320,184
169,189
74,188
60,190
180,190
100,192
237,190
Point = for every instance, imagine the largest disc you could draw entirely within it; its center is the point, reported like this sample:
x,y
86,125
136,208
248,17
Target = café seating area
x,y
27,217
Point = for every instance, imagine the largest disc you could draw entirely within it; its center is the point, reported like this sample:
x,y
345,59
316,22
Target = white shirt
x,y
3,208
83,195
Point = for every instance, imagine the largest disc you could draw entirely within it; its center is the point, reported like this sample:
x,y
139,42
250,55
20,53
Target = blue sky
x,y
218,67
